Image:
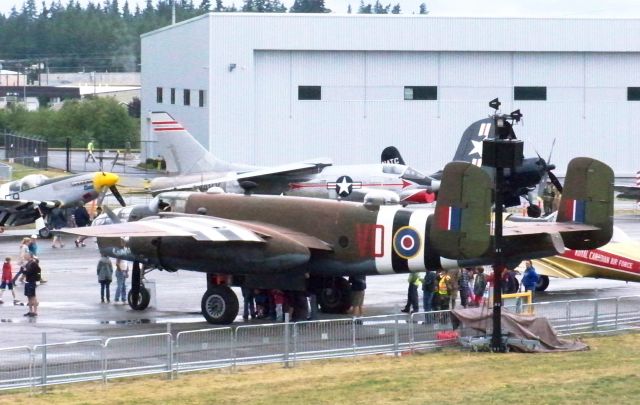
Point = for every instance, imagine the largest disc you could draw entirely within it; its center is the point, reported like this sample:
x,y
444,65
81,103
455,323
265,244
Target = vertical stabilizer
x,y
391,155
470,146
182,152
461,223
587,198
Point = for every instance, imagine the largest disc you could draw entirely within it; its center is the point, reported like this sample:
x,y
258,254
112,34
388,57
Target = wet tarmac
x,y
70,306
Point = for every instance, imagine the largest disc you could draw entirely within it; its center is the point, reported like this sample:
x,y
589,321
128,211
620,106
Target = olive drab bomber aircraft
x,y
34,196
302,244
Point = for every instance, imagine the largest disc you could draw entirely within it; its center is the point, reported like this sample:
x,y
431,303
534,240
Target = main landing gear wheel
x,y
220,305
543,283
533,211
143,299
44,233
336,298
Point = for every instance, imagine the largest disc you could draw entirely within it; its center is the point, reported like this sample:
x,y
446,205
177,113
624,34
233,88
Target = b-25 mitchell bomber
x,y
301,244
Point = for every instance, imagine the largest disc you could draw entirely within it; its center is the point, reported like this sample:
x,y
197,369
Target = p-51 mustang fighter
x,y
300,244
34,196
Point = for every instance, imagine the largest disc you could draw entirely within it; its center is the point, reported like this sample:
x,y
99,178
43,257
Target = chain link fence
x,y
287,343
31,152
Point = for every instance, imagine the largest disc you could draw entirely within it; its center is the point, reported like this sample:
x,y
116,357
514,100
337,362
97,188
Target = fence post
x,y
286,340
396,351
103,361
169,351
44,361
595,315
353,334
411,332
295,344
568,315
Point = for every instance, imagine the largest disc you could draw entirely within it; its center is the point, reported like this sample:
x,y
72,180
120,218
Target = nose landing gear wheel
x,y
220,305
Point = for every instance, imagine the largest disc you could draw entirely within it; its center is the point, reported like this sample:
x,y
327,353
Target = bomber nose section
x,y
104,179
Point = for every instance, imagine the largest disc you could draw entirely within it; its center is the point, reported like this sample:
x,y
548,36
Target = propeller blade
x,y
117,195
555,181
551,151
103,192
112,216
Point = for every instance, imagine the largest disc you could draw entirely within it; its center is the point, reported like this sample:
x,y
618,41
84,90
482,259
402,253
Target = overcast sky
x,y
533,8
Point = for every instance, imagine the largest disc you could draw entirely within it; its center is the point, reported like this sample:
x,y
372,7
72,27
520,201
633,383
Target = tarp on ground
x,y
518,326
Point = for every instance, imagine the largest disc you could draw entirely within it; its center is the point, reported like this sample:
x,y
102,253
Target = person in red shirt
x,y
7,281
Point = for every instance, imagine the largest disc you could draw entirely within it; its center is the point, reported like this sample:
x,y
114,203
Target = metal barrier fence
x,y
287,343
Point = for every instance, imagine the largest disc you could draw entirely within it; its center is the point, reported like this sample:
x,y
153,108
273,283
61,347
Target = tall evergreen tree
x,y
309,6
364,8
423,8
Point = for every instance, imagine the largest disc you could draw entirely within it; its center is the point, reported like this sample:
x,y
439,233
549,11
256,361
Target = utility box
x,y
506,153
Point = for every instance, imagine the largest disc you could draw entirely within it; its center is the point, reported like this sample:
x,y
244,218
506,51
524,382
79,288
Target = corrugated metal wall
x,y
362,108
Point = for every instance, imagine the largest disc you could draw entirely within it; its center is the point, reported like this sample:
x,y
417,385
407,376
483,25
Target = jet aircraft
x,y
199,170
301,244
34,196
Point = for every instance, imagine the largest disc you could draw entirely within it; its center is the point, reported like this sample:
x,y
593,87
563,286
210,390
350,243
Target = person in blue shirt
x,y
530,278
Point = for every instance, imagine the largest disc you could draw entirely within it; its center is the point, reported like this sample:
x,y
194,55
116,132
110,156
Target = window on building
x,y
173,96
309,93
633,93
159,95
530,93
187,97
420,92
201,94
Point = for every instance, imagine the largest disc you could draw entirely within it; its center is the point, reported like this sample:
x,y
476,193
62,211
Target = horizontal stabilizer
x,y
461,226
587,199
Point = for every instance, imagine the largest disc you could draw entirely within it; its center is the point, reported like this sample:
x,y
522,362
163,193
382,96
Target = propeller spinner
x,y
104,181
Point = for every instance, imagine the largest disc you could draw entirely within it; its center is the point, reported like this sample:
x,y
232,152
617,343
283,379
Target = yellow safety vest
x,y
442,285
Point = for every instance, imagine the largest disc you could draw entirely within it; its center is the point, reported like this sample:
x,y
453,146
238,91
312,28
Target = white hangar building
x,y
274,88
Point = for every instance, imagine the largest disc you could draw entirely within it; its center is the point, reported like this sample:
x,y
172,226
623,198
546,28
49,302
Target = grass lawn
x,y
19,171
608,373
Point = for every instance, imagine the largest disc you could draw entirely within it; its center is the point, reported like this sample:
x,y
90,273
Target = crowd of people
x,y
443,289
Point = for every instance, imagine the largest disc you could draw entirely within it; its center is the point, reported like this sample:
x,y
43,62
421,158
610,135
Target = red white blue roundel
x,y
406,242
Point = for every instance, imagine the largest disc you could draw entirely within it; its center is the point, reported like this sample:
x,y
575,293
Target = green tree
x,y
309,6
423,8
101,119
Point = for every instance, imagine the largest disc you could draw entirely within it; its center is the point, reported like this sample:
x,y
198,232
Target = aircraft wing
x,y
199,228
259,175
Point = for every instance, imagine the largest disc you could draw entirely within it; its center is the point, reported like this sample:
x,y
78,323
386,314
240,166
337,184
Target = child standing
x,y
7,281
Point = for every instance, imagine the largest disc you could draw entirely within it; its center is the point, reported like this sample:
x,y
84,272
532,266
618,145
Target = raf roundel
x,y
406,242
